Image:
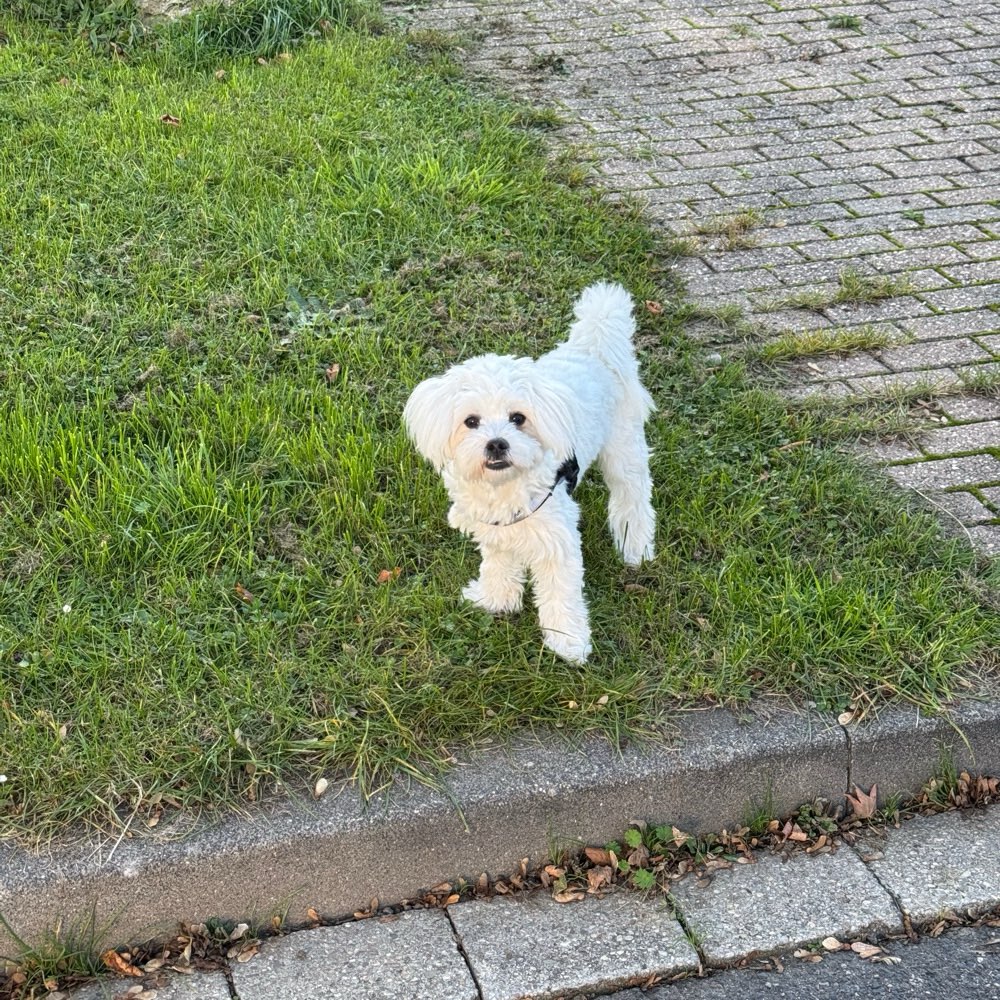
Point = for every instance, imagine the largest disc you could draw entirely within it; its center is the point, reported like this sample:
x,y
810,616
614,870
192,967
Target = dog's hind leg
x,y
624,463
500,586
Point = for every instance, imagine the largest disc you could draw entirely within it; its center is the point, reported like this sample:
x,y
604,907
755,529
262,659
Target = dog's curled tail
x,y
605,327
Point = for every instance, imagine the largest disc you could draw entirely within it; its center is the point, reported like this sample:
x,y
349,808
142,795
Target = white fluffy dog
x,y
511,435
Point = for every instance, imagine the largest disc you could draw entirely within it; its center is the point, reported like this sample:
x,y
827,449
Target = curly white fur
x,y
499,428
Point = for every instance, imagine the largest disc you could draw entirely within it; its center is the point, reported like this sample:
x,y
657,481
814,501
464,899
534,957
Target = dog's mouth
x,y
498,466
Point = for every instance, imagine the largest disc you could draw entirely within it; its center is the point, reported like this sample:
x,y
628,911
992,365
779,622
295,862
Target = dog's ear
x,y
556,413
428,417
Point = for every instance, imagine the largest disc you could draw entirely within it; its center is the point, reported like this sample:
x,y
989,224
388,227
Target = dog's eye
x,y
517,419
472,422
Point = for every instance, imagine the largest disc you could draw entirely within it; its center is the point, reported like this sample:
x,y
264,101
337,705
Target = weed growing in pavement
x,y
734,228
809,343
853,287
848,22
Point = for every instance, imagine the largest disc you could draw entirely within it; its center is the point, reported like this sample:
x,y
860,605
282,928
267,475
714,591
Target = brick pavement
x,y
873,148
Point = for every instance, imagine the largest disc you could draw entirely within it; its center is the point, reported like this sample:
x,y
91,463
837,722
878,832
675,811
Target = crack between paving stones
x,y
850,760
904,916
228,973
460,945
692,938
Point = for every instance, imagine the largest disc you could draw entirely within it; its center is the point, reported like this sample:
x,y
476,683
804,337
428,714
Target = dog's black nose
x,y
496,448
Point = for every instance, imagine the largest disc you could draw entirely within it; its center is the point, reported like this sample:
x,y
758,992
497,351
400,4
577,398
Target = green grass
x,y
809,343
849,22
175,437
853,287
735,229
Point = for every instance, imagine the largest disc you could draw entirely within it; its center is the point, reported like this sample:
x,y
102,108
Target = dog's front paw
x,y
576,649
493,602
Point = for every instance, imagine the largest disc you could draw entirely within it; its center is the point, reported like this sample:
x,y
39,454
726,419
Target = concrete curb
x,y
499,807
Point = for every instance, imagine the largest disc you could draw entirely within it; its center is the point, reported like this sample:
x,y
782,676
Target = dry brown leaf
x,y
598,877
832,944
568,896
247,953
864,804
603,700
220,74
320,787
386,575
170,120
243,594
483,883
116,963
331,372
865,950
654,307
846,717
557,872
801,953
597,855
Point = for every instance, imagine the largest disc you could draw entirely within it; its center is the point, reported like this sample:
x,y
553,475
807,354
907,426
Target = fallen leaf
x,y
64,81
386,575
283,57
220,74
845,717
483,883
238,931
597,856
654,307
557,872
568,896
116,963
801,953
247,953
832,944
864,949
452,899
243,594
170,120
598,877
636,588
320,787
331,372
864,804
312,915
603,700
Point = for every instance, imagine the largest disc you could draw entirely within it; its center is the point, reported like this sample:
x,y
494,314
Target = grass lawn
x,y
216,291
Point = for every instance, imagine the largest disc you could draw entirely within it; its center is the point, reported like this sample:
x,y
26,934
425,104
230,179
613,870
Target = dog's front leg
x,y
501,581
557,579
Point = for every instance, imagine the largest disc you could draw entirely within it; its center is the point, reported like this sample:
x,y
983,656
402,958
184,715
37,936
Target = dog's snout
x,y
496,447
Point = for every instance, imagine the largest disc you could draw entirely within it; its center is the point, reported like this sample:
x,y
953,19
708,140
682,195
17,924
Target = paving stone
x,y
969,297
991,494
940,473
410,957
951,324
961,437
838,367
992,342
198,986
776,905
985,539
945,862
970,407
933,354
535,947
932,380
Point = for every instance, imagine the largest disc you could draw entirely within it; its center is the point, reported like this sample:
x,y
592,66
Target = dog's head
x,y
490,420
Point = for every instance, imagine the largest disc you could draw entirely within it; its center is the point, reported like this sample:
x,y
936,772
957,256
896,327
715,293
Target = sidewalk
x,y
860,137
533,947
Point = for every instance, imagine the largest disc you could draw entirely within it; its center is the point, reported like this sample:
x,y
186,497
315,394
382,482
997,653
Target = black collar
x,y
568,473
